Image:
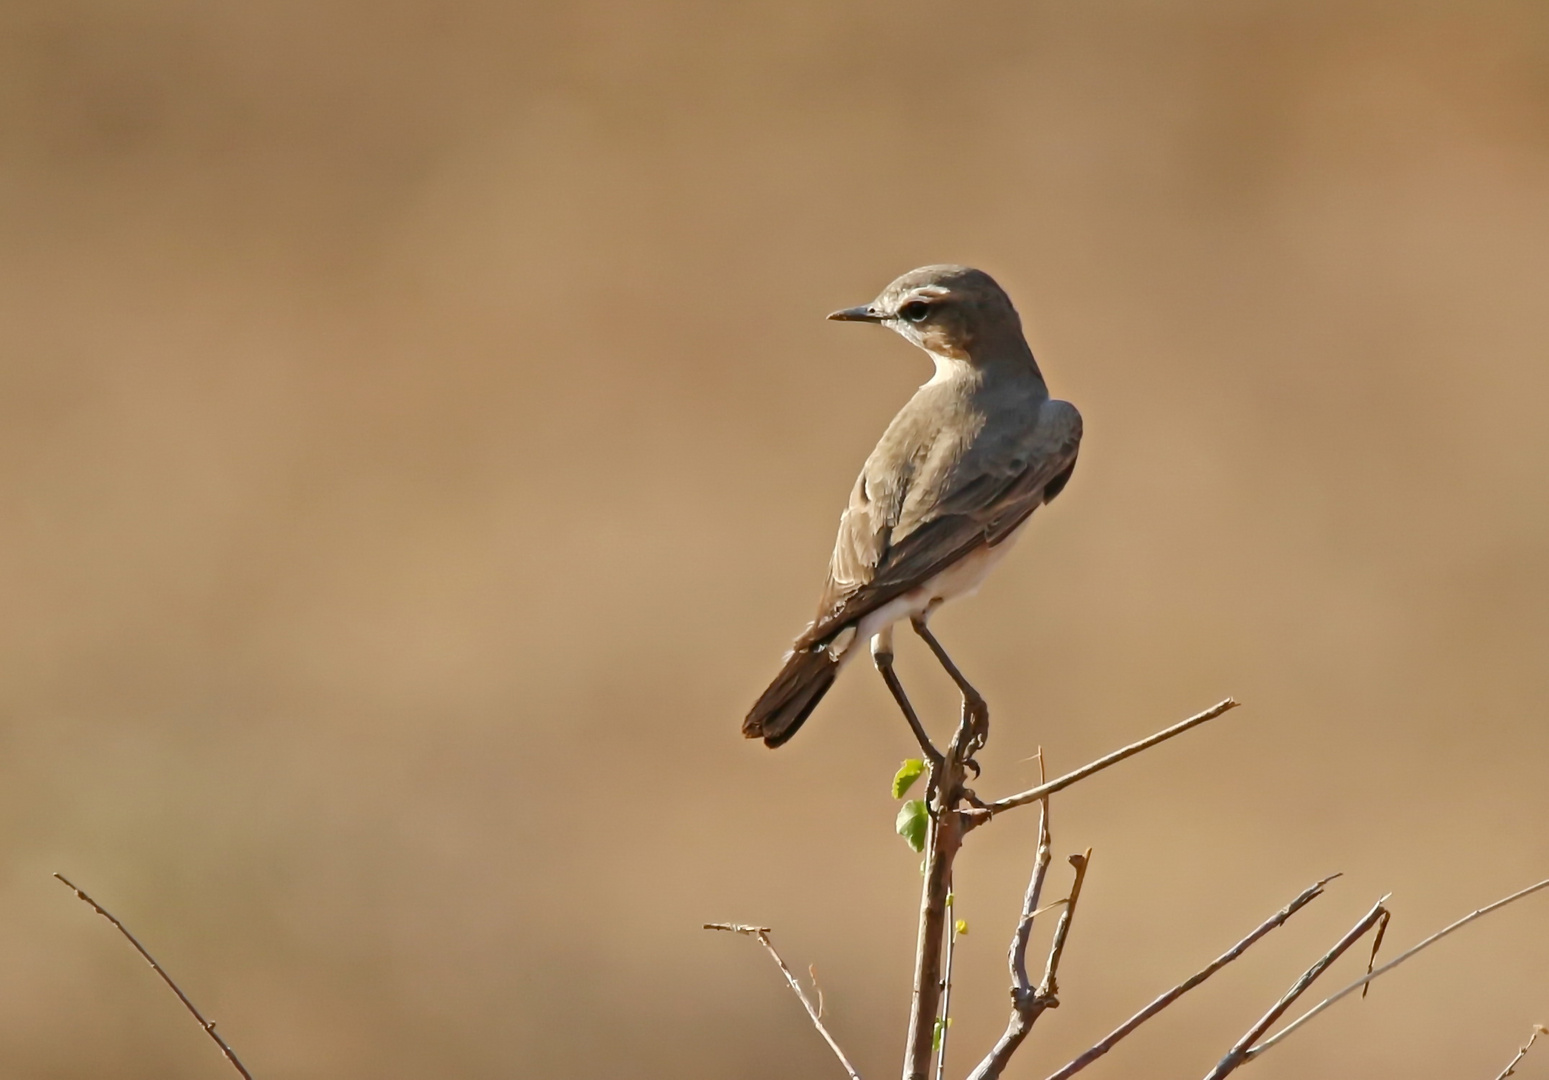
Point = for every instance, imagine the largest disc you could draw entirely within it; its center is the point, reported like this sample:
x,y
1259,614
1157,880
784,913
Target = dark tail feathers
x,y
790,699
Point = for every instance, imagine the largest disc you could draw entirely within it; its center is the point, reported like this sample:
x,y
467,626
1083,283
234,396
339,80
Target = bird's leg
x,y
882,656
976,711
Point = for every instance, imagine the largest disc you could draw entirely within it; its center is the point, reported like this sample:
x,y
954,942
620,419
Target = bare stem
x,y
207,1025
1017,954
945,1019
1046,789
944,839
1027,1007
1309,894
1511,1066
1238,1054
762,934
1391,964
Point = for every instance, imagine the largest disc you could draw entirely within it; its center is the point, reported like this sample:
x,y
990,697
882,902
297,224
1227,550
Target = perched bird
x,y
940,500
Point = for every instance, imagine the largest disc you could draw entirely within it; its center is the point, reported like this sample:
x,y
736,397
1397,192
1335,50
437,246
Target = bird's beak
x,y
864,313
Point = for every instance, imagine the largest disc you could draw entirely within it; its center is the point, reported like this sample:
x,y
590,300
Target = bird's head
x,y
949,311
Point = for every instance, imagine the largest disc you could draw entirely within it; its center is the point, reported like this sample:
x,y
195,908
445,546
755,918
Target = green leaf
x,y
961,927
912,824
910,771
937,1032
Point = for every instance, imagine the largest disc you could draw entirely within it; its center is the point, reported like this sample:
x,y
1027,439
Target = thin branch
x,y
1017,955
1511,1066
1311,893
1042,790
1241,1049
1028,1007
945,1019
762,934
1050,990
1391,964
207,1025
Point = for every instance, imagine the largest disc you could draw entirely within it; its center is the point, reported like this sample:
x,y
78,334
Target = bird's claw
x,y
976,715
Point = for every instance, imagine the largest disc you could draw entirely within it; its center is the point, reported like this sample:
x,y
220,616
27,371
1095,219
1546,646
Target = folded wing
x,y
894,537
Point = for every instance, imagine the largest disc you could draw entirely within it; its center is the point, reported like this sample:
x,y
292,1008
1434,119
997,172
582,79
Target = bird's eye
x,y
915,310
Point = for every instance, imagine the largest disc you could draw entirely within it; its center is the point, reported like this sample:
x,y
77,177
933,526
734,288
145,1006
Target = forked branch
x,y
951,820
1028,1004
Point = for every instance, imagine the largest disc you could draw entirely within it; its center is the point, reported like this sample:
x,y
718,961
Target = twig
x,y
1049,989
1311,893
1042,790
762,934
1391,964
1017,955
207,1025
1243,1047
945,1019
1028,1007
1511,1066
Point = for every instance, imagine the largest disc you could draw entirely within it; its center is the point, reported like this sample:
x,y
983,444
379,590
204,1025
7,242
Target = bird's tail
x,y
790,699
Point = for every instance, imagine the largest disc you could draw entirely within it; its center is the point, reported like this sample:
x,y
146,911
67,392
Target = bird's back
x,y
961,439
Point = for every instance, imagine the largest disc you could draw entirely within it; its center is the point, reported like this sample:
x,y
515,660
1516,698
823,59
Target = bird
x,y
940,501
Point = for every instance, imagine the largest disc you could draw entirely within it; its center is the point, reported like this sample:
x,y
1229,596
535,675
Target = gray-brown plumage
x,y
955,477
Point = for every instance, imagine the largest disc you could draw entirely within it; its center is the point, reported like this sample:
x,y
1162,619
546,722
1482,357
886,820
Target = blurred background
x,y
421,440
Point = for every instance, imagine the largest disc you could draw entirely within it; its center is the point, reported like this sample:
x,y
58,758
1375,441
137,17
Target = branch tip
x,y
207,1025
761,934
1044,790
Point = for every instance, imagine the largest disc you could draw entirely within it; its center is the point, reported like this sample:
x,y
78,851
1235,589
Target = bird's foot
x,y
976,719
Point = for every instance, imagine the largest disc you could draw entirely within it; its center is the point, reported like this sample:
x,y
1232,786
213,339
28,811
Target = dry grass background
x,y
420,440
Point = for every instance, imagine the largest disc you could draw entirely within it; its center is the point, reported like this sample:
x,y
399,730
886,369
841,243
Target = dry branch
x,y
944,1021
950,822
207,1025
1511,1066
1029,1004
1391,964
1311,893
1244,1046
944,838
762,934
1017,955
1044,790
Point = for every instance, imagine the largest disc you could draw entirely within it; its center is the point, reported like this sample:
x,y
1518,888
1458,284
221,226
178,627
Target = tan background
x,y
421,438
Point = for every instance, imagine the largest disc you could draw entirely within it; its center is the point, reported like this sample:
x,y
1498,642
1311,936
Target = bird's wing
x,y
894,537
